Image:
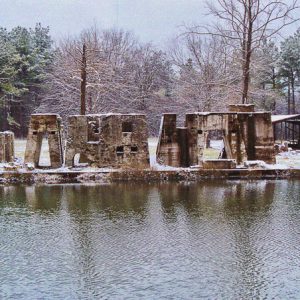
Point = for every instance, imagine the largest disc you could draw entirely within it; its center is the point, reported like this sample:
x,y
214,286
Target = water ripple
x,y
215,240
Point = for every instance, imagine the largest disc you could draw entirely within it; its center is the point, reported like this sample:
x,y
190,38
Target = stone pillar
x,y
2,147
7,151
44,125
183,146
194,135
264,138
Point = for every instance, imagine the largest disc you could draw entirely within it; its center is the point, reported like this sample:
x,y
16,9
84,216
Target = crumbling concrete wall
x,y
241,107
108,140
172,149
79,131
49,126
246,136
124,141
198,127
7,149
264,138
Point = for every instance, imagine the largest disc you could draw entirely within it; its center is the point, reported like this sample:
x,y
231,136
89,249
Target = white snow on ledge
x,y
158,167
285,161
253,164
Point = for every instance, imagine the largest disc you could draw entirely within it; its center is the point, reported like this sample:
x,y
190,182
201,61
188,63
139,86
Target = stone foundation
x,y
7,149
40,126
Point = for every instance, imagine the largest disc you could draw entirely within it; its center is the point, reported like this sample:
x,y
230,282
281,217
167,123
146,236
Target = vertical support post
x,y
281,131
286,132
293,133
33,146
55,150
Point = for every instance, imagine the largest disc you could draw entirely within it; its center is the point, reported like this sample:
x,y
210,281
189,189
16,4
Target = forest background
x,y
239,58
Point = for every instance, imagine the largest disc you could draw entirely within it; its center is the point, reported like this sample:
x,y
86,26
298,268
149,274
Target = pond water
x,y
215,240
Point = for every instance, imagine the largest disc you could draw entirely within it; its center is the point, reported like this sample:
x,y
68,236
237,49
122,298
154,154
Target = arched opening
x,y
44,158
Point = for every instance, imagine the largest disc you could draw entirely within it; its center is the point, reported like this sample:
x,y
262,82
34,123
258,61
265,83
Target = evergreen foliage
x,y
124,75
25,57
289,69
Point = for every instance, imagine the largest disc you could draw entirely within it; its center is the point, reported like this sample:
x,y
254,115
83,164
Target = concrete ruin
x,y
246,136
241,108
44,126
218,164
108,140
7,149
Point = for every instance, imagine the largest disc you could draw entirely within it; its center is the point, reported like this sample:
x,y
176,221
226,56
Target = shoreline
x,y
145,175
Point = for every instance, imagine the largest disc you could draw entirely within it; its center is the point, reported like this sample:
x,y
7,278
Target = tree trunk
x,y
246,79
274,87
273,79
83,81
293,93
247,57
289,97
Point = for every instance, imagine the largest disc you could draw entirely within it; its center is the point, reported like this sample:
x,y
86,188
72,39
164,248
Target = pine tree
x,y
25,56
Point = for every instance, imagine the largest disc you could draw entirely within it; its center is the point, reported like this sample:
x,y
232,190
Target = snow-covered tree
x,y
289,64
25,56
122,75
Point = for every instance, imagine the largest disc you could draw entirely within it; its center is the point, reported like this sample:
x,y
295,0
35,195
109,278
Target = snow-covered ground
x,y
152,142
291,159
284,160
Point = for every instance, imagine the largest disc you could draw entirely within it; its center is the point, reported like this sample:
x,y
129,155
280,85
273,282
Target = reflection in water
x,y
44,197
246,208
215,239
114,204
113,200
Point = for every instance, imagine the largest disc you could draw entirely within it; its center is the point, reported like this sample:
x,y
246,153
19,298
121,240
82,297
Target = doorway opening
x,y
214,145
44,159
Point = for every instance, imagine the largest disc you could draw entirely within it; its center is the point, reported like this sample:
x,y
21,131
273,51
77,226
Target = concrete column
x,y
7,151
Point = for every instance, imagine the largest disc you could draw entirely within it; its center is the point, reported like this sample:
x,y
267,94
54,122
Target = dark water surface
x,y
215,240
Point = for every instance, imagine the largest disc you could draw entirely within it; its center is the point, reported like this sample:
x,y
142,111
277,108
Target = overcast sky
x,y
150,20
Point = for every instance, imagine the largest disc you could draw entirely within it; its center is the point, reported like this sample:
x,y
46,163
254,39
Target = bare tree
x,y
120,75
244,24
83,81
207,74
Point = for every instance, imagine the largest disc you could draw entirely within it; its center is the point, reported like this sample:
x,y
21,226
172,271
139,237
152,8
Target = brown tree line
x,y
236,59
122,75
245,25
